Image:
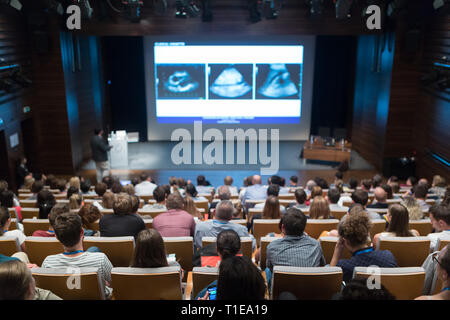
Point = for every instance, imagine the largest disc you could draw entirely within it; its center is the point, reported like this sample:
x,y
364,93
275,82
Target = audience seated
x,y
189,207
414,210
222,221
440,219
228,182
320,209
295,248
57,210
159,195
277,180
45,202
85,187
203,186
361,197
89,214
387,188
35,189
256,191
239,279
420,193
69,231
17,283
380,199
129,188
443,273
438,186
354,236
75,201
123,222
300,198
333,199
271,210
117,187
376,181
146,187
5,221
176,222
7,200
191,191
398,219
100,189
366,185
107,201
272,190
293,181
316,191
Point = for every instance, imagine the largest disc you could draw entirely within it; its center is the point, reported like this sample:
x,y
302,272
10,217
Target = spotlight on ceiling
x,y
13,3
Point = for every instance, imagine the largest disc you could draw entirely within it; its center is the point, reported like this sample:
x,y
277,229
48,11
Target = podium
x,y
119,153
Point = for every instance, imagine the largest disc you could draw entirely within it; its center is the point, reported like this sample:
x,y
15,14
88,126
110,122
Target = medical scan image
x,y
278,81
230,81
180,81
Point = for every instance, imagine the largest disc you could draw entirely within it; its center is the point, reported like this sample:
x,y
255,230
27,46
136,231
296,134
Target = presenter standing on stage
x,y
100,150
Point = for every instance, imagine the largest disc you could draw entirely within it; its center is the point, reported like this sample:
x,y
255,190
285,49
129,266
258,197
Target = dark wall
x,y
334,73
125,69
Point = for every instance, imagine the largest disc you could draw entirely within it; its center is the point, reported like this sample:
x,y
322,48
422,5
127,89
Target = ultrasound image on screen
x,y
180,81
278,81
230,81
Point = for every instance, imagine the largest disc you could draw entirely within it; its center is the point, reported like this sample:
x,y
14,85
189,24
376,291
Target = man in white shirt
x,y
440,219
146,187
333,199
5,222
228,181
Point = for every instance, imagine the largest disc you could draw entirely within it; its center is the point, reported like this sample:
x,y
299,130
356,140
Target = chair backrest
x,y
262,227
24,196
378,226
148,223
146,197
246,244
286,202
153,214
423,226
201,277
9,245
202,205
62,196
71,283
206,195
290,196
30,213
119,250
314,227
264,242
31,225
13,224
242,222
441,243
107,211
253,211
146,283
403,283
183,247
12,212
408,251
39,248
338,214
24,191
328,245
28,203
319,283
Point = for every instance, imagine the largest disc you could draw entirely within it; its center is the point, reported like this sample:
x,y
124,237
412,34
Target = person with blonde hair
x,y
189,206
75,182
108,200
414,210
89,214
28,182
438,186
129,188
75,201
319,209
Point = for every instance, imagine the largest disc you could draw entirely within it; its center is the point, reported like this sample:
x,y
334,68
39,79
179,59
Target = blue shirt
x,y
4,258
255,192
211,228
380,258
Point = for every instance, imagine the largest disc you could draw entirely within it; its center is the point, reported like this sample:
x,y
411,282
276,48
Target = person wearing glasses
x,y
442,259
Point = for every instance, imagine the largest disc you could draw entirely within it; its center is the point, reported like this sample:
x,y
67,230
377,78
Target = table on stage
x,y
317,151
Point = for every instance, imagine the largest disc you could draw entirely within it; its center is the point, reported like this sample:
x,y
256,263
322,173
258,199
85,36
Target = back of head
x,y
399,223
444,259
339,184
28,183
45,202
294,180
228,243
71,191
7,198
413,207
249,180
273,190
357,289
4,217
411,181
135,202
149,251
294,222
356,208
310,185
441,213
181,182
275,180
159,194
387,188
129,188
37,186
224,210
167,191
300,195
339,175
100,189
353,183
191,190
174,201
50,180
334,195
15,281
57,210
3,185
366,183
380,194
228,181
143,177
75,201
439,181
85,186
355,228
122,204
189,206
60,184
271,208
75,182
108,200
68,228
240,279
319,208
224,193
420,191
361,197
377,180
256,179
116,187
201,180
108,181
322,183
89,214
316,191
395,186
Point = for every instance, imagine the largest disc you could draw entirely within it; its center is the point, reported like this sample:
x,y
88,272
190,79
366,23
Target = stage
x,y
155,157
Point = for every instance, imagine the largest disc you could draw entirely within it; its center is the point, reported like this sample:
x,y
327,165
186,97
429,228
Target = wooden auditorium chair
x,y
153,214
441,243
147,283
408,251
39,248
13,224
264,242
262,227
328,245
316,283
252,211
25,196
314,227
89,287
378,226
119,250
183,248
202,277
146,197
403,283
28,203
338,214
246,244
30,213
9,245
423,226
31,225
201,204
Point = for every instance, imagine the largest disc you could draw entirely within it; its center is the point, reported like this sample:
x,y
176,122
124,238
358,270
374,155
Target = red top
x,y
42,233
18,214
174,223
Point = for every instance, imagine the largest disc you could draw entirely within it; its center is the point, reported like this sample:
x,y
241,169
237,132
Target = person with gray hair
x,y
309,186
221,221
